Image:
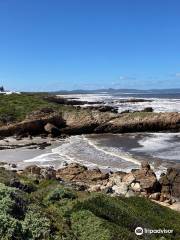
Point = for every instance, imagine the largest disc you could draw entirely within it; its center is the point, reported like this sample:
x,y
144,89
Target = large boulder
x,y
33,124
94,175
120,189
115,179
135,186
146,178
70,172
78,173
170,183
128,178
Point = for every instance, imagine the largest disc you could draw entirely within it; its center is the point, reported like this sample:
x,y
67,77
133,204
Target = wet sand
x,y
18,151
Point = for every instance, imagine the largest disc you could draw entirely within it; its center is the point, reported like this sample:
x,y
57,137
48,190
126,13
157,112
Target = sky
x,y
89,44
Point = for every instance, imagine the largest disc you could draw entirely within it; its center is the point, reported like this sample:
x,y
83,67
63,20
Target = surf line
x,y
123,156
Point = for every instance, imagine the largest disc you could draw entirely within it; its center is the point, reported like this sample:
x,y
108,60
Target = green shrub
x,y
36,225
6,201
9,226
87,226
60,193
129,213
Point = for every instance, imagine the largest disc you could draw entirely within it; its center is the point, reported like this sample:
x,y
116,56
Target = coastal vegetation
x,y
15,107
48,209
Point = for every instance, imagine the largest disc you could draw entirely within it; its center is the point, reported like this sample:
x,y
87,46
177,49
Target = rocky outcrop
x,y
33,124
78,173
139,182
139,122
170,184
146,178
84,121
36,172
104,108
70,172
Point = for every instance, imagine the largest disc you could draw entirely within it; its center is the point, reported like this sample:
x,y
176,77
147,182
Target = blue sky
x,y
89,44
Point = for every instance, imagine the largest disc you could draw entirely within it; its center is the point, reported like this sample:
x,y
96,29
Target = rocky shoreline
x,y
74,121
139,182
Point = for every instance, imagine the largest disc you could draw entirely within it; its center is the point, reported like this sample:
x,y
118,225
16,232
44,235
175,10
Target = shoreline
x,y
55,152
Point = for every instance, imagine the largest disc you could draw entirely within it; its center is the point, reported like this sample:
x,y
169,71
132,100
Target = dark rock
x,y
52,129
44,145
147,109
104,108
69,101
108,190
64,164
13,165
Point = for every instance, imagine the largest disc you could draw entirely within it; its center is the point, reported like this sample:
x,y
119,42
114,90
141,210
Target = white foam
x,y
88,97
158,104
41,158
161,145
84,151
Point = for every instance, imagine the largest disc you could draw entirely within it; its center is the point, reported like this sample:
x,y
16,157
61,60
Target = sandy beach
x,y
109,152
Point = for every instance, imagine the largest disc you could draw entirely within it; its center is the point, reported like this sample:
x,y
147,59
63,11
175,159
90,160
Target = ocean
x,y
114,152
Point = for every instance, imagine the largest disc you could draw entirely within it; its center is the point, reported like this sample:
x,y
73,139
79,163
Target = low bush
x,y
60,193
55,212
